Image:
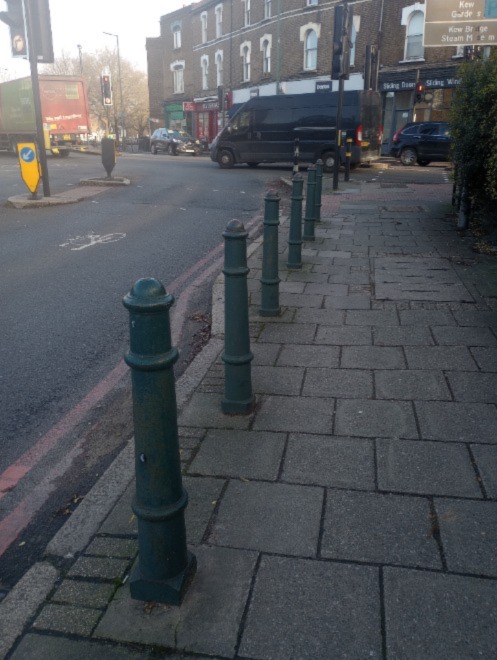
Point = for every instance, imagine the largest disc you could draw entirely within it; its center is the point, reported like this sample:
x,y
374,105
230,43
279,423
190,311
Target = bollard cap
x,y
148,293
235,226
311,167
272,195
297,177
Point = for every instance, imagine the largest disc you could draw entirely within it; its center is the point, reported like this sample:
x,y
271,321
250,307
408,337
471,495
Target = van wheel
x,y
328,159
252,164
225,159
408,156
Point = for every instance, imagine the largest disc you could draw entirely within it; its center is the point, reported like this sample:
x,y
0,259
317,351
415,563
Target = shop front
x,y
399,91
205,119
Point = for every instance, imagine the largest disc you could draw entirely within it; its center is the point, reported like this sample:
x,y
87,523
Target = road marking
x,y
83,242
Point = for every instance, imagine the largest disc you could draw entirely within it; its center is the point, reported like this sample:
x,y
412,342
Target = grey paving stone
x,y
291,413
309,356
296,333
469,535
457,422
343,275
402,336
111,547
434,615
426,468
292,287
277,380
409,384
209,617
329,461
486,358
476,318
372,357
377,317
121,520
486,461
327,289
372,419
344,335
478,387
340,383
264,354
464,336
352,301
247,454
301,300
204,411
386,529
87,594
67,619
99,567
311,609
270,517
451,358
324,316
40,647
426,317
303,276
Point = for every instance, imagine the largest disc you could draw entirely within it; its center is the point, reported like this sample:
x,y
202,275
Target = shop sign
x,y
430,83
324,86
188,106
207,105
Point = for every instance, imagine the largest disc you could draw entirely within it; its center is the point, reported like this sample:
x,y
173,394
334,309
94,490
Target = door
x,y
272,135
238,136
432,142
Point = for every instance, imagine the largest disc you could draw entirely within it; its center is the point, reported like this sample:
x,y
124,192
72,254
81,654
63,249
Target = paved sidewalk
x,y
353,514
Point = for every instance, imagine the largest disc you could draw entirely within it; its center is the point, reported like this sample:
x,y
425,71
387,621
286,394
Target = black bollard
x,y
348,156
270,303
319,189
309,204
296,155
164,565
238,396
295,235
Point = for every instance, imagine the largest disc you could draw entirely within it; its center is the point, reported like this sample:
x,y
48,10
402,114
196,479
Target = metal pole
x,y
80,48
295,235
165,565
310,211
278,48
336,165
296,155
319,189
121,102
270,305
35,83
348,156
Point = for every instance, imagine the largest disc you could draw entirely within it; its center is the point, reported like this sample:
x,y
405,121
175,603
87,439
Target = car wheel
x,y
252,164
328,159
225,159
423,162
408,156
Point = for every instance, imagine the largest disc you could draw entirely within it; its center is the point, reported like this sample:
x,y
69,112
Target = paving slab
x,y
435,615
372,317
277,380
68,619
486,461
312,609
402,336
264,354
308,356
324,316
204,411
87,594
270,517
209,617
457,422
372,357
475,387
352,301
340,383
426,468
344,335
324,460
412,384
486,358
304,300
475,317
378,528
40,647
425,317
297,333
99,567
469,535
464,336
372,419
450,358
291,413
245,454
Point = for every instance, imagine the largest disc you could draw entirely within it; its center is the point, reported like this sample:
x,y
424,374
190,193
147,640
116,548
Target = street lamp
x,y
80,49
110,34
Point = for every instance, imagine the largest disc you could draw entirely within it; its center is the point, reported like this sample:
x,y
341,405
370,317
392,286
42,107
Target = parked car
x,y
422,142
174,142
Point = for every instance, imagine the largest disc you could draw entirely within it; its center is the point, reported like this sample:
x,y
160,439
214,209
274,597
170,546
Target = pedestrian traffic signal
x,y
106,90
14,18
420,93
340,63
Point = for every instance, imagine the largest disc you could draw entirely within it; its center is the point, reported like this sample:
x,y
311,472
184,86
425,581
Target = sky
x,y
84,22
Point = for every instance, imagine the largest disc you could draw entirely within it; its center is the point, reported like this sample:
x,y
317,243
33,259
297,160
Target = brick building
x,y
215,54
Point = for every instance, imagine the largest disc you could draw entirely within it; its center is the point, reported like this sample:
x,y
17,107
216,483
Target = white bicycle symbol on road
x,y
82,242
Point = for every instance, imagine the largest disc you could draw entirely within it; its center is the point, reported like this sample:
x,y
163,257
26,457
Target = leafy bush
x,y
474,131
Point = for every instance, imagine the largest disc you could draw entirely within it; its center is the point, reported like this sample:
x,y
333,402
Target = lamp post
x,y
80,51
110,34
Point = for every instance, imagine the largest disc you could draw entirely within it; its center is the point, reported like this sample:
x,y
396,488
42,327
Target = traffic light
x,y
14,18
420,93
340,63
106,89
41,30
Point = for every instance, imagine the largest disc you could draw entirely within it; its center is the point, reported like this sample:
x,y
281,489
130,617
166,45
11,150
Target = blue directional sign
x,y
30,165
27,154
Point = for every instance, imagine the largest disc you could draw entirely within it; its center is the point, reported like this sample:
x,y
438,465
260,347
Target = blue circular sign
x,y
27,154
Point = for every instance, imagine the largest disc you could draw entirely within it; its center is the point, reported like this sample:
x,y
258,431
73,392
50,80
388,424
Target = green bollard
x,y
319,189
270,302
295,234
238,396
310,212
348,157
164,566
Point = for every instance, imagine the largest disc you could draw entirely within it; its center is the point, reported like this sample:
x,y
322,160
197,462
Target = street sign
x,y
30,166
460,23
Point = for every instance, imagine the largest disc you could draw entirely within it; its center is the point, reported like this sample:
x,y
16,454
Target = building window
x,y
267,9
246,12
245,50
178,69
203,25
311,51
177,36
266,54
219,68
204,65
413,19
219,21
